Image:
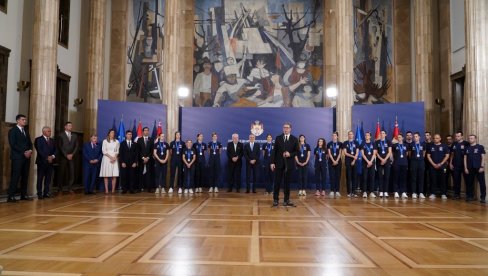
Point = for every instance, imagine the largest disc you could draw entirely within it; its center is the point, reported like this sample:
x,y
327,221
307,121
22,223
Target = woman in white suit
x,y
110,165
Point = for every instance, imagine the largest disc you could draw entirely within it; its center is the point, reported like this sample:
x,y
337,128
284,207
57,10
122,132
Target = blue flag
x,y
121,132
114,127
155,131
359,140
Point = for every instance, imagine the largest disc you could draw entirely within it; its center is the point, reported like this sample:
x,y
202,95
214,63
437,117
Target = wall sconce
x,y
22,85
77,102
439,102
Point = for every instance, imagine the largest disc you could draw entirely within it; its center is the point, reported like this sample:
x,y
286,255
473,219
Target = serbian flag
x,y
134,130
396,131
160,128
139,129
378,130
154,132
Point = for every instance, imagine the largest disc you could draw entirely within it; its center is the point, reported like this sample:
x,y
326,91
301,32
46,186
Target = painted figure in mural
x,y
296,79
205,85
234,90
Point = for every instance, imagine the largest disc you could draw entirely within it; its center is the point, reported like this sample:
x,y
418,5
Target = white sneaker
x,y
186,191
421,196
170,191
190,191
444,197
157,191
397,195
432,196
162,191
304,193
414,195
372,195
216,190
381,194
180,191
338,194
386,194
365,195
404,195
210,190
331,194
200,190
299,192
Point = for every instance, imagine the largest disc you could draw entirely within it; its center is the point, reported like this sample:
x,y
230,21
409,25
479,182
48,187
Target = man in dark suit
x,y
46,153
92,157
128,163
282,160
68,148
234,156
252,152
20,154
146,166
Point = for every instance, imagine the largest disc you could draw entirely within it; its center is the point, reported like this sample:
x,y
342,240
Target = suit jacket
x,y
235,153
253,154
126,155
90,153
44,150
291,146
19,143
67,146
145,150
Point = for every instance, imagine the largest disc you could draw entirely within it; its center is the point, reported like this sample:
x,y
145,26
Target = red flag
x,y
160,128
396,130
378,130
139,129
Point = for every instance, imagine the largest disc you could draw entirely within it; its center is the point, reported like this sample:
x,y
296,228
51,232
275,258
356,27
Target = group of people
x,y
142,163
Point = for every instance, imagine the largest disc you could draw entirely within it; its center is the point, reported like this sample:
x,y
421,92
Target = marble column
x,y
43,75
424,56
476,84
170,66
345,42
118,51
95,72
330,49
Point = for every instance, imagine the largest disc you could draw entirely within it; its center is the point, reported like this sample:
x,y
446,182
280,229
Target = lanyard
x,y
334,148
382,143
320,154
417,147
188,155
351,146
177,147
367,147
199,146
401,150
268,148
302,149
161,146
214,146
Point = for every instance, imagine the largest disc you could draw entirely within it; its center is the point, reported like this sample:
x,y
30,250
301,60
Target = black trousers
x,y
438,178
269,176
20,171
251,171
384,176
302,176
67,173
456,179
417,172
368,178
234,175
176,171
400,179
320,175
146,180
127,175
44,176
475,174
200,173
160,171
351,177
282,176
214,171
335,177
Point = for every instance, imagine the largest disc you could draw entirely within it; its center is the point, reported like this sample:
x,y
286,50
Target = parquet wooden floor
x,y
240,234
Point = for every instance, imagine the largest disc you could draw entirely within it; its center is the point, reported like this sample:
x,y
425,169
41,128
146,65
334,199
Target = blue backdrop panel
x,y
312,122
112,111
410,117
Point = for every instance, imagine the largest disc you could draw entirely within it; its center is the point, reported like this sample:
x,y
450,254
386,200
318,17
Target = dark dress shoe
x,y
253,191
12,199
47,196
275,203
482,201
40,197
289,203
26,198
132,192
238,191
247,191
229,190
124,192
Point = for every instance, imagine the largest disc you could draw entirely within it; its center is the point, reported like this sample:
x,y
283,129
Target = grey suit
x,y
67,146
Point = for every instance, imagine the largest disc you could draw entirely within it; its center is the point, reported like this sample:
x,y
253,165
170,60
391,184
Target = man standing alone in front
x,y
282,160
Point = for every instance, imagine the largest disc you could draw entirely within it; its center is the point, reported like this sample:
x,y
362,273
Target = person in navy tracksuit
x,y
456,163
438,156
474,167
334,149
267,148
351,151
383,157
320,153
400,165
417,166
214,150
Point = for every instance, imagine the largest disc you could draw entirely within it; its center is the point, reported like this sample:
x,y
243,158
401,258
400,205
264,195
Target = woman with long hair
x,y
302,164
320,153
110,164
